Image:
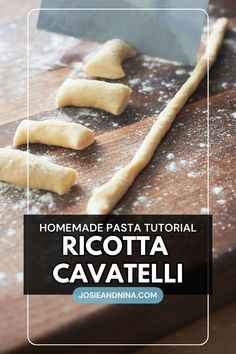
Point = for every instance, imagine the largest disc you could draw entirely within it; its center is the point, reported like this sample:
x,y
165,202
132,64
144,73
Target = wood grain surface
x,y
175,181
222,335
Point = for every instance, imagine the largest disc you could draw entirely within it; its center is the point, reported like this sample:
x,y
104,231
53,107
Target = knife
x,y
168,29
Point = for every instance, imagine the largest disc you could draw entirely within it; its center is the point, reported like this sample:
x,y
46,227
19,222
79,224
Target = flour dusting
x,y
221,202
180,72
19,277
217,190
3,279
170,156
172,167
50,55
193,174
204,211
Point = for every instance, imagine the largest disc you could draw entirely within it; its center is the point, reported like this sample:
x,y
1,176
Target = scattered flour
x,y
193,174
3,279
217,190
150,65
156,60
221,202
87,112
168,84
170,156
140,200
202,145
180,72
233,114
134,82
77,71
172,167
20,206
50,55
45,200
19,277
146,86
204,211
18,198
225,85
78,66
10,279
11,232
186,163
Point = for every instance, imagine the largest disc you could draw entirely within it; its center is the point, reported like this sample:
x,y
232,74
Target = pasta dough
x,y
54,132
112,98
42,174
105,197
107,61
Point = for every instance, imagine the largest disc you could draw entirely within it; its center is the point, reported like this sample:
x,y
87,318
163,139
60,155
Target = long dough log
x,y
42,173
112,98
106,196
107,61
54,132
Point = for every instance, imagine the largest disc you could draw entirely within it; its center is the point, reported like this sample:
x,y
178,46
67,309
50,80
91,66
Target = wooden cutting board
x,y
175,182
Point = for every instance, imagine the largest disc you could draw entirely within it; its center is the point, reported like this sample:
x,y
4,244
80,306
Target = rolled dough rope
x,y
54,132
112,98
106,196
42,173
107,61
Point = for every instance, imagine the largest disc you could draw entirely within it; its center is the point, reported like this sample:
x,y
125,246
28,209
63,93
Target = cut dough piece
x,y
112,98
54,132
107,61
106,197
42,174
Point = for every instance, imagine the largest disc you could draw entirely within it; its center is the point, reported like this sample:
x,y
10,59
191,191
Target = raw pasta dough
x,y
112,98
105,197
54,132
107,61
42,173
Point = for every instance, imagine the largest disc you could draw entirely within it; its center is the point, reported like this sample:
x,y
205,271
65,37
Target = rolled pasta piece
x,y
54,132
107,61
42,174
105,197
112,98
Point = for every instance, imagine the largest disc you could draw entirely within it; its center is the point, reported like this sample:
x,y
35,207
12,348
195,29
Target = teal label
x,y
117,295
